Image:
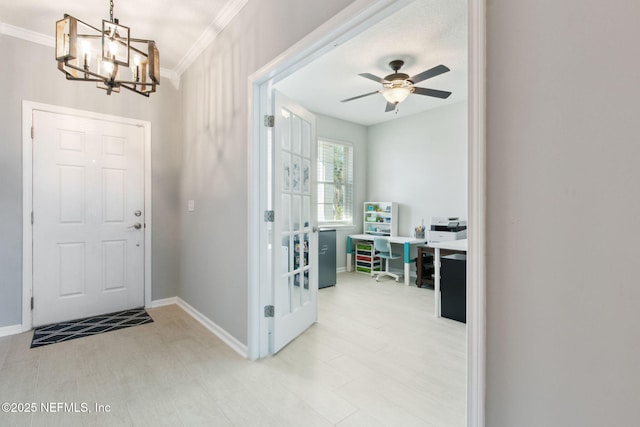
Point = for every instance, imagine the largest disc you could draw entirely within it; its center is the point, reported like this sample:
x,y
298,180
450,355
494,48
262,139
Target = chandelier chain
x,y
111,10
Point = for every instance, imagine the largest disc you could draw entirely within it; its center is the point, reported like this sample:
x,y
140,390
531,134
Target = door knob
x,y
137,226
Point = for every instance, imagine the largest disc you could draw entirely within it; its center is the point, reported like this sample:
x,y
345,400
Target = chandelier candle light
x,y
109,57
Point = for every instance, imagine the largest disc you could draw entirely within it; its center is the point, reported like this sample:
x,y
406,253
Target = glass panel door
x,y
295,267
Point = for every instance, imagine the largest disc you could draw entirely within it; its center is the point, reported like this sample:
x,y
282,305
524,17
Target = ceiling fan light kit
x,y
107,56
397,91
396,87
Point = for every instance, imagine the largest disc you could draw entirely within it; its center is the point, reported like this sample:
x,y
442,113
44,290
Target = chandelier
x,y
107,56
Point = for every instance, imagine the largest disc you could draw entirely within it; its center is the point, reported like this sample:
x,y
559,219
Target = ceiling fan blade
x,y
372,77
390,107
435,71
431,92
359,96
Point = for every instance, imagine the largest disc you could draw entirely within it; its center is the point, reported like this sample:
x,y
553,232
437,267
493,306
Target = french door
x,y
295,236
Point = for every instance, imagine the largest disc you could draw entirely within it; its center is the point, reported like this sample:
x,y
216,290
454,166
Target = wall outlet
x,y
191,205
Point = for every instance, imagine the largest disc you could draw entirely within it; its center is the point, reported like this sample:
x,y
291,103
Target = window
x,y
335,182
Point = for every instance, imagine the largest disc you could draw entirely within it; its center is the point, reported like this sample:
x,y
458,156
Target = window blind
x,y
335,182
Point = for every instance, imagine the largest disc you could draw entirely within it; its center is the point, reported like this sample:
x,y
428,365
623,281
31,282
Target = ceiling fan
x,y
397,86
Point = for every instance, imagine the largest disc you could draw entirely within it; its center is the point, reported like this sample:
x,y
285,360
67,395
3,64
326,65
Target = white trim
x,y
148,204
11,330
476,309
163,302
218,331
27,197
171,75
352,20
334,141
228,12
254,226
358,16
257,237
28,35
340,224
341,270
27,208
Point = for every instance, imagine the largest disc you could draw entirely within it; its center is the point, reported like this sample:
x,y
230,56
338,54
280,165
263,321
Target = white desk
x,y
406,242
454,245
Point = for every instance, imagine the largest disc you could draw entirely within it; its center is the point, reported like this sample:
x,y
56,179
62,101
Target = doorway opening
x,y
352,21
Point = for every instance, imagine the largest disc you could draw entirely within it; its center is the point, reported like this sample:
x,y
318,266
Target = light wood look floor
x,y
376,357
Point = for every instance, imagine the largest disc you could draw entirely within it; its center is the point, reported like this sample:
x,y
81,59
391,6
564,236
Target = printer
x,y
447,228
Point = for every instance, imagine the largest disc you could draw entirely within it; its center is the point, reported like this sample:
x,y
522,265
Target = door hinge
x,y
31,217
31,303
269,121
269,311
269,216
33,132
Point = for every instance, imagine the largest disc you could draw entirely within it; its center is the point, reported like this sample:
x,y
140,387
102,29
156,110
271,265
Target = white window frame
x,y
345,223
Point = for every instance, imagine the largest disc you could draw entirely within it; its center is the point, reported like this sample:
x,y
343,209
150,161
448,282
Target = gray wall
x,y
215,115
340,130
420,162
32,75
563,136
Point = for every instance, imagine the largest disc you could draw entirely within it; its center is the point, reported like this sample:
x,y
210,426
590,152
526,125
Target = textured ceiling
x,y
424,34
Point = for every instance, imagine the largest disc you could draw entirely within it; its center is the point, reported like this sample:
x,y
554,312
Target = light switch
x,y
191,205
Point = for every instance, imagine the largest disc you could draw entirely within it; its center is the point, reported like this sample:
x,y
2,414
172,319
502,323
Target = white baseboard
x,y
225,336
341,269
163,302
10,330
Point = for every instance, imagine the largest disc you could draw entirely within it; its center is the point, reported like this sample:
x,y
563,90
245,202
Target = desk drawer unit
x,y
366,261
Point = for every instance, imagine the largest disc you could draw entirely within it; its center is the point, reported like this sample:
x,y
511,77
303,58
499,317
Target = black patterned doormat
x,y
73,329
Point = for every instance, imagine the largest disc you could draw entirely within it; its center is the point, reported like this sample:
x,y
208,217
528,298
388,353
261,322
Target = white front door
x,y
296,238
88,217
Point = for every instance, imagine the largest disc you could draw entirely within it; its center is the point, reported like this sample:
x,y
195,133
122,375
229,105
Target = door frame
x,y
28,107
358,16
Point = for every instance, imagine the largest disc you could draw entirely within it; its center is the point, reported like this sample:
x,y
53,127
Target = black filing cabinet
x,y
327,258
453,287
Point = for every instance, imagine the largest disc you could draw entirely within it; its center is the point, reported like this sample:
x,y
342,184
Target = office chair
x,y
383,249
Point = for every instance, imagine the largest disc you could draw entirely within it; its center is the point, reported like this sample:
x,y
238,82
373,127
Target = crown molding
x,y
28,35
173,77
228,12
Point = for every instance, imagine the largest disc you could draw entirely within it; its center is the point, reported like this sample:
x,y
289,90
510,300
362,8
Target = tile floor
x,y
376,357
